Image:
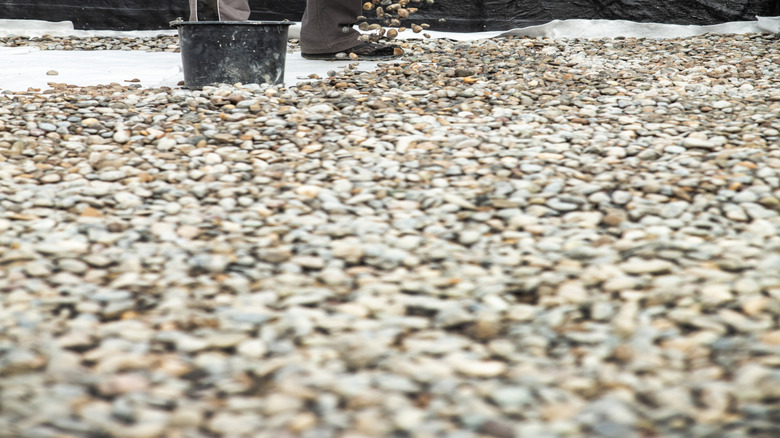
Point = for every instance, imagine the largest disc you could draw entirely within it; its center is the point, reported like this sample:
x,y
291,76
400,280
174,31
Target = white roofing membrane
x,y
27,67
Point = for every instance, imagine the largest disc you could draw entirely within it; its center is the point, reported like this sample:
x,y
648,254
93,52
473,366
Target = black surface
x,y
450,15
99,14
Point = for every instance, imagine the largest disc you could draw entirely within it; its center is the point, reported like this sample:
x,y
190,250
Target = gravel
x,y
512,237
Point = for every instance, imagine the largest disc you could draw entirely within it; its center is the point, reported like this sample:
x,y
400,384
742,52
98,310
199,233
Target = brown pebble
x,y
614,217
623,353
497,429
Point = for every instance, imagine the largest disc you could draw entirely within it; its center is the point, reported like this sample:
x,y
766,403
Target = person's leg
x,y
234,10
219,10
323,23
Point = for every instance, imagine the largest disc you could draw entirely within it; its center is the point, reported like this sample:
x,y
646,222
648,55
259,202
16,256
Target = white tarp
x,y
27,67
618,28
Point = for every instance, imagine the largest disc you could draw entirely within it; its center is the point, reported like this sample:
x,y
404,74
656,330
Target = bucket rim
x,y
232,23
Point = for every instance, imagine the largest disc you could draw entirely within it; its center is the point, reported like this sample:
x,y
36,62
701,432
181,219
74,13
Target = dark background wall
x,y
450,15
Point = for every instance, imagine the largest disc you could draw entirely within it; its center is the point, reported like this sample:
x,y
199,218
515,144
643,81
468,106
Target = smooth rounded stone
x,y
121,136
190,344
225,340
520,221
585,219
621,197
560,205
370,422
469,237
741,323
62,247
280,403
351,250
187,416
475,368
237,283
756,211
651,154
735,213
127,200
97,413
118,308
702,141
112,175
716,293
64,278
228,423
602,311
308,262
162,230
188,231
637,266
762,227
150,424
165,144
755,382
746,286
621,282
754,304
51,178
76,340
48,127
320,108
677,149
252,348
97,260
674,209
38,269
531,168
512,397
116,385
302,422
20,361
408,419
308,191
215,263
610,417
173,208
453,315
614,217
745,196
72,265
334,277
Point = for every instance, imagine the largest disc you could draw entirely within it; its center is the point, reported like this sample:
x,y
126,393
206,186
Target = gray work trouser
x,y
229,10
323,23
321,27
234,10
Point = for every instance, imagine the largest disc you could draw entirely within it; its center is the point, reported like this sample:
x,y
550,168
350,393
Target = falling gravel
x,y
511,237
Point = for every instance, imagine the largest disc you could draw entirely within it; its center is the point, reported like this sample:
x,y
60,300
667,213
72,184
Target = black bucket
x,y
227,52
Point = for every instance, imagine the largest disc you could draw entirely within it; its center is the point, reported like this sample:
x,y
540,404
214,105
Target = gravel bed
x,y
502,238
159,43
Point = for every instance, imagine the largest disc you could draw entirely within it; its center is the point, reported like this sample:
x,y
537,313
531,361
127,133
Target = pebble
x,y
505,237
